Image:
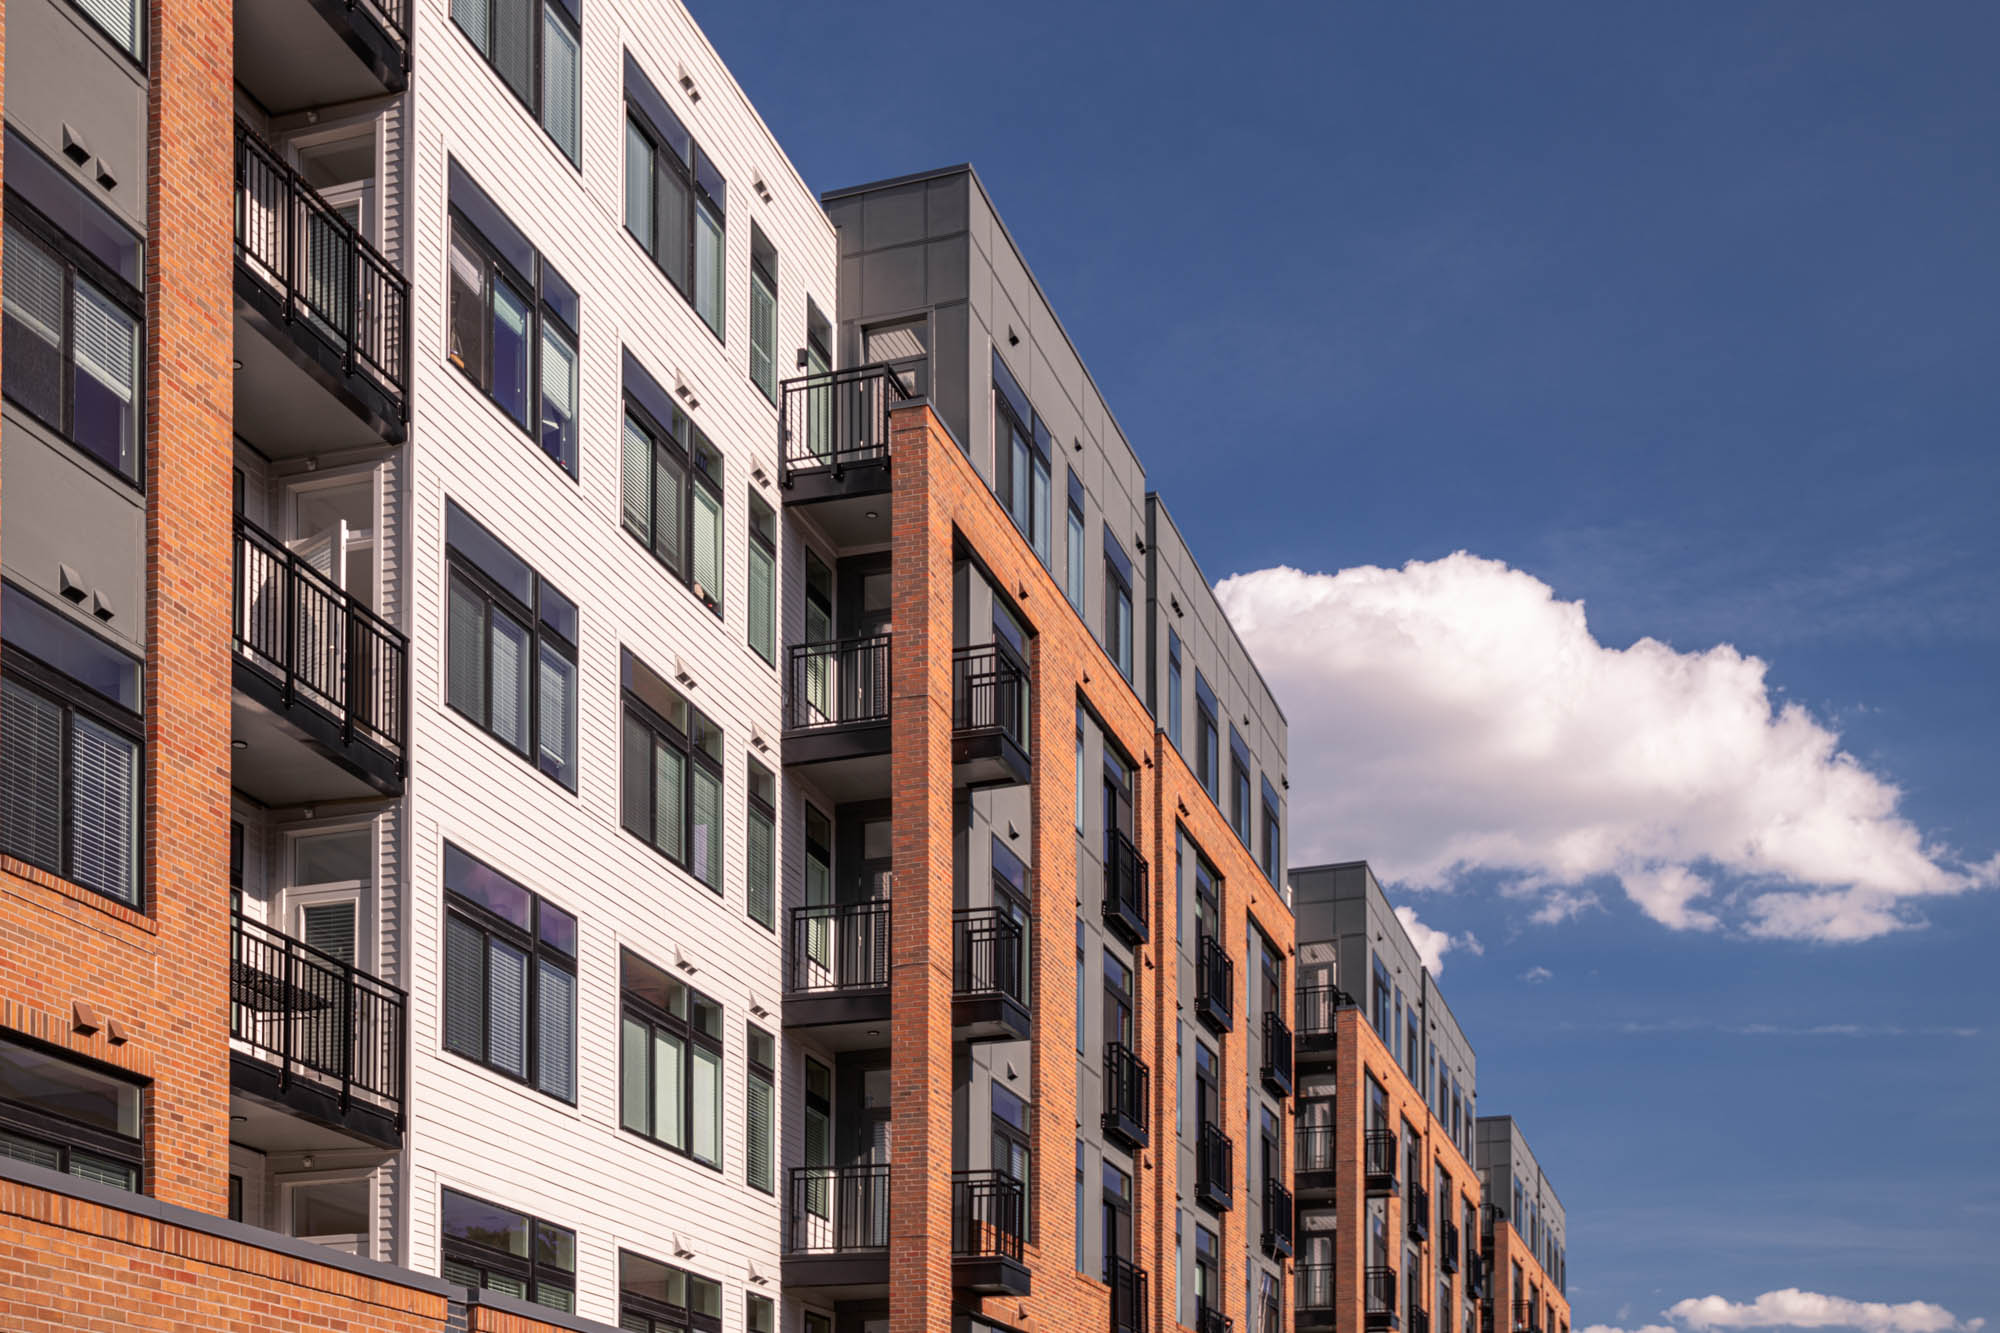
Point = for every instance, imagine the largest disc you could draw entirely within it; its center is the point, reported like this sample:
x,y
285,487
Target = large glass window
x,y
1021,448
72,351
1273,854
1117,605
1239,786
670,1062
1077,554
1207,740
760,1110
510,649
509,977
486,1245
533,45
761,596
659,1298
71,747
675,198
66,1116
763,313
1174,689
513,325
672,484
670,774
1010,1140
760,847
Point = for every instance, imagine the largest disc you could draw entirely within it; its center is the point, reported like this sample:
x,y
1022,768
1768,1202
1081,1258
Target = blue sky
x,y
1690,314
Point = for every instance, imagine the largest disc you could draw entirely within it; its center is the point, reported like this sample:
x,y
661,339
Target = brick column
x,y
921,1095
1350,1120
189,245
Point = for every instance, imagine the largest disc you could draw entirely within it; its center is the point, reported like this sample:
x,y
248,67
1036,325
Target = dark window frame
x,y
692,458
764,271
536,291
1207,739
538,950
765,544
664,1316
1014,414
566,14
756,806
689,172
637,1009
694,751
490,1259
1271,849
67,1136
77,262
759,1072
1118,594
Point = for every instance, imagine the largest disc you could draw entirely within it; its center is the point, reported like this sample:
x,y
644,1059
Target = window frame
x,y
1014,417
489,1259
78,263
689,457
537,949
463,566
1117,600
543,291
756,806
764,272
570,17
689,173
763,544
758,1072
74,699
693,751
1271,850
655,1020
66,1135
1076,554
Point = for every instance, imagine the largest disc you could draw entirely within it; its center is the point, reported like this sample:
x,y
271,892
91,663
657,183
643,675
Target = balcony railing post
x,y
348,1034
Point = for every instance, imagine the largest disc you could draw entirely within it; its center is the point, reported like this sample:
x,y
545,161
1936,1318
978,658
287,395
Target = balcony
x,y
1126,1096
1525,1320
1378,1288
837,714
295,54
1125,884
1475,1273
1312,1302
1128,1295
1420,1319
839,976
1315,1172
1314,1008
833,449
989,717
1447,1247
322,319
1417,1213
1214,1169
1278,1215
988,1220
837,1236
314,1036
1378,1152
1277,1055
319,709
1208,1319
1214,985
988,977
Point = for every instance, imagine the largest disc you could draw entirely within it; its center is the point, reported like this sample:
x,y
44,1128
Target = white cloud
x,y
1643,1328
1792,1308
1456,715
1432,943
1538,974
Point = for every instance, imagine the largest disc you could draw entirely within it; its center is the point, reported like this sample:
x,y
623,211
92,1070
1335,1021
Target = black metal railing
x,y
988,1215
1447,1246
1316,1006
1524,1315
316,1018
1417,1211
989,693
1125,882
1215,1167
1208,1319
1214,984
318,642
1475,1270
1314,1146
986,954
840,947
1278,1213
1277,1054
839,1208
1420,1320
1128,1295
1313,1284
1126,1084
1378,1153
331,280
835,684
837,419
1378,1287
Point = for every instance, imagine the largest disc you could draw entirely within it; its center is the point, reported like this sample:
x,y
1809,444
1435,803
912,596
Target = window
x,y
1117,1217
513,321
1010,1140
533,45
1239,786
1021,459
123,21
761,615
904,347
1378,1005
1082,786
760,1110
763,313
509,977
672,487
760,847
670,1062
1174,689
674,197
71,749
670,774
1081,987
1207,1270
1082,1216
1117,605
72,347
511,649
1074,549
66,1116
1273,847
512,1253
1207,740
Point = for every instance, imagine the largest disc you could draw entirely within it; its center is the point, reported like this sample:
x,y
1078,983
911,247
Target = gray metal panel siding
x,y
63,509
77,78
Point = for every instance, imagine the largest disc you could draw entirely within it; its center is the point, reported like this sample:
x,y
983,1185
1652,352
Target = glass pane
x,y
558,398
669,523
464,988
559,83
54,1085
510,681
556,719
705,850
635,481
668,1103
633,1078
480,1223
669,813
341,857
513,44
104,810
707,1105
118,18
118,1175
331,1208
510,352
32,1151
465,687
708,545
670,245
638,184
468,281
555,1031
31,359
762,611
471,16
30,776
507,1007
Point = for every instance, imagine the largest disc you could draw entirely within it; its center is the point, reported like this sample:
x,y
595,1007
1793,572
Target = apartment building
x,y
1523,1231
1389,1196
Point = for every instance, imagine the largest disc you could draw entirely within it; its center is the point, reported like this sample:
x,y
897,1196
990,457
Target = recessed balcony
x,y
1127,1081
295,54
1214,1169
1378,1287
1277,1068
833,449
1378,1151
1279,1217
1128,1296
1208,1319
1417,1213
837,715
1125,889
988,1221
1315,1171
837,1233
1315,1008
1313,1298
989,717
988,977
839,978
1214,985
1447,1247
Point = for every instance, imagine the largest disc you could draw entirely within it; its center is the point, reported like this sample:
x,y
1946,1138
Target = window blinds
x,y
104,810
760,874
559,83
638,472
507,1007
30,776
555,1020
510,681
464,989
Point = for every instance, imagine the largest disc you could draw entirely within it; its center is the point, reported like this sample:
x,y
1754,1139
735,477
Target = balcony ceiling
x,y
291,58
